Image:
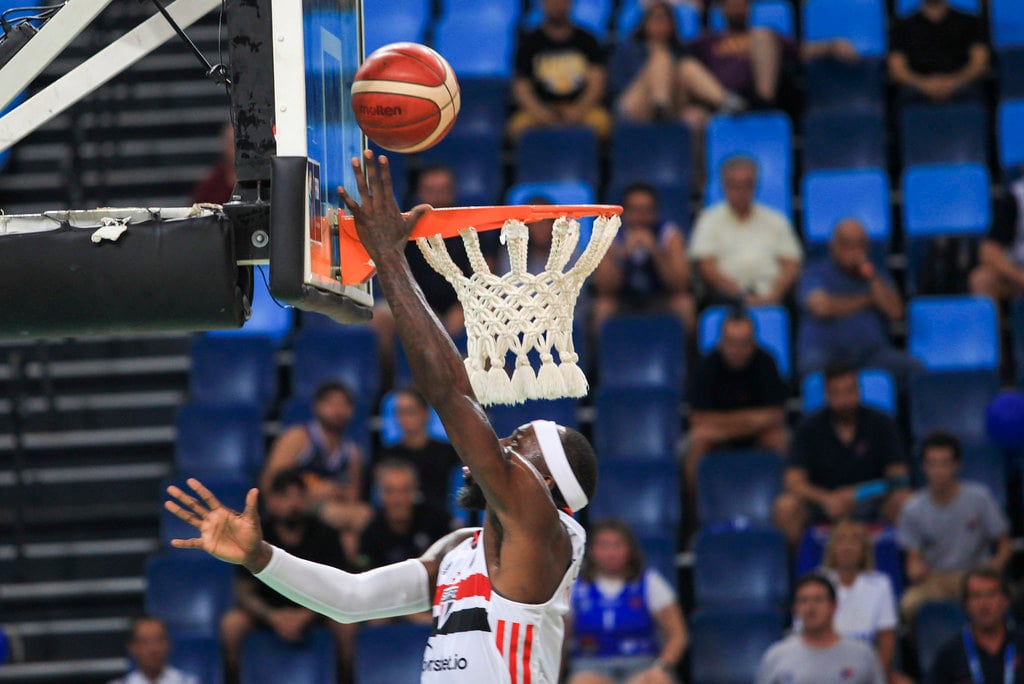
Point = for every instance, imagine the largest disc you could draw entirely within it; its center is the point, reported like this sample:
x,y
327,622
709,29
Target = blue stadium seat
x,y
740,568
393,21
659,551
233,371
225,440
642,351
830,196
726,646
946,133
505,418
189,591
771,327
688,19
391,432
1010,126
491,10
952,400
476,163
567,153
646,495
952,333
1017,335
556,192
483,108
985,464
844,139
637,424
267,659
199,656
659,154
768,139
936,623
774,14
737,485
877,390
905,7
1010,71
592,15
268,318
480,44
348,354
229,490
1007,24
390,653
841,86
860,21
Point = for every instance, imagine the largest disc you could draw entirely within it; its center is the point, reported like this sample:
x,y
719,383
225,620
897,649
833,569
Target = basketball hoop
x,y
516,312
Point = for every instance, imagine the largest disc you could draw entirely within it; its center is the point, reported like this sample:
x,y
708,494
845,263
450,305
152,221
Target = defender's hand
x,y
223,533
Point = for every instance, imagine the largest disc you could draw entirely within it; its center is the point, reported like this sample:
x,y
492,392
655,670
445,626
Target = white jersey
x,y
480,636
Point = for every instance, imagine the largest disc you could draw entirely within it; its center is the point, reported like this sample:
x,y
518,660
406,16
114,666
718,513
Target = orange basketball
x,y
405,97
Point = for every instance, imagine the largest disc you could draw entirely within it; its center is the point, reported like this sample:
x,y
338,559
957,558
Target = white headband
x,y
558,464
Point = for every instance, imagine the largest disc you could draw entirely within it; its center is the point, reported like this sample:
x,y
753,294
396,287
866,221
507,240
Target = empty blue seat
x,y
877,390
862,22
567,153
905,7
1010,71
347,355
774,14
740,568
843,138
391,432
830,196
592,15
738,485
946,133
505,418
229,490
954,401
267,319
771,328
936,623
476,163
726,646
843,86
233,371
1007,24
390,653
642,351
659,551
958,332
636,424
393,21
985,464
199,656
768,139
1011,134
483,109
556,192
646,495
267,659
688,19
189,591
477,45
659,154
224,440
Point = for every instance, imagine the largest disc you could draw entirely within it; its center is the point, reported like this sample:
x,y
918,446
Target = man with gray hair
x,y
745,251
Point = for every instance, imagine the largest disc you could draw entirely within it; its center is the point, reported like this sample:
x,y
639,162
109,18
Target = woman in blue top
x,y
625,625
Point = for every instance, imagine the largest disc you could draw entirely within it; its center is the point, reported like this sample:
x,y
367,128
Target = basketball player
x,y
497,593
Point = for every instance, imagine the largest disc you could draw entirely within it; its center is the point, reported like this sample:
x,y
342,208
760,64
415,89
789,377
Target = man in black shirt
x,y
737,398
287,526
835,452
986,651
938,52
1000,270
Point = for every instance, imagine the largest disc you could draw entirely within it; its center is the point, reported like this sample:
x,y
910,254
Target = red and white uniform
x,y
482,637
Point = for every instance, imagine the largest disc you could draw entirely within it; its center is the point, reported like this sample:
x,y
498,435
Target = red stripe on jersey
x,y
513,648
475,585
527,646
500,638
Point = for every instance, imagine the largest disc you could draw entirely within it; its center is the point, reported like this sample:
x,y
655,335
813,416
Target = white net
x,y
520,312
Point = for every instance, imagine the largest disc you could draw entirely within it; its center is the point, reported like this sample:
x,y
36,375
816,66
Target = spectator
x,y
846,303
625,623
286,525
938,52
149,646
745,252
947,528
560,76
218,184
866,603
646,268
653,78
818,654
987,650
737,399
331,463
846,460
1000,270
432,458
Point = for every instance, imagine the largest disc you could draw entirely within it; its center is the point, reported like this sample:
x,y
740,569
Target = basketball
x,y
405,97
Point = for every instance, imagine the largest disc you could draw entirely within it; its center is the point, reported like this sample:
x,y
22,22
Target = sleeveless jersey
x,y
482,637
620,625
319,459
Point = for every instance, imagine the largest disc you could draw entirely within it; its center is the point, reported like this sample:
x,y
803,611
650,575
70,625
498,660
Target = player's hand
x,y
379,223
223,533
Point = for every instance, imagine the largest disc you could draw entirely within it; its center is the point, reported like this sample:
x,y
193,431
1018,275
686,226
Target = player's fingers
x,y
187,543
372,175
413,217
364,193
348,201
205,494
250,503
186,500
190,518
385,176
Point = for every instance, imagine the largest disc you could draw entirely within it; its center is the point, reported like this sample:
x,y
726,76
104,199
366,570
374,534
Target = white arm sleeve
x,y
390,591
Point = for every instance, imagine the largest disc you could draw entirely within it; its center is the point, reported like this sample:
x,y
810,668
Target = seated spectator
x,y
1000,270
947,528
988,649
867,604
625,624
745,252
288,526
149,647
737,399
846,303
560,76
218,184
646,268
653,78
432,458
817,653
938,52
835,451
